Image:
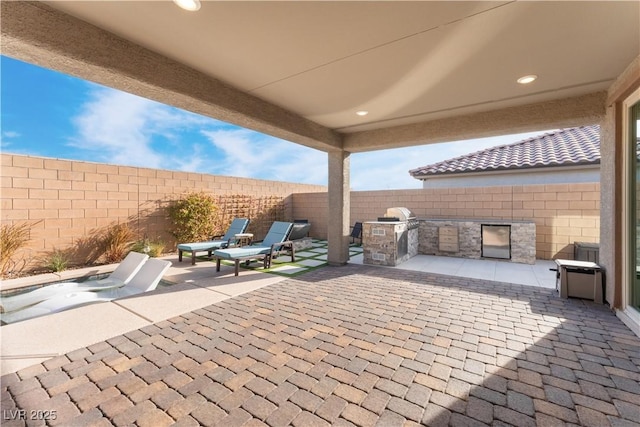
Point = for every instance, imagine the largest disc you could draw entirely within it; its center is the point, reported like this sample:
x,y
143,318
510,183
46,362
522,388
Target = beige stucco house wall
x,y
540,176
612,213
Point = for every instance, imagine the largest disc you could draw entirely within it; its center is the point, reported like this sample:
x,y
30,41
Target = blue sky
x,y
49,114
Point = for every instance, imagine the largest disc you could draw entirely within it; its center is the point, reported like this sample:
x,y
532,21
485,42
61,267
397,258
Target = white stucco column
x,y
339,208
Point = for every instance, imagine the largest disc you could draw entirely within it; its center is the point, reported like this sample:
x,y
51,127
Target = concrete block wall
x,y
313,207
563,213
69,200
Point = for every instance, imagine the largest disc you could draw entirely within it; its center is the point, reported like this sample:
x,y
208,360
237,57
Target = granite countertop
x,y
480,220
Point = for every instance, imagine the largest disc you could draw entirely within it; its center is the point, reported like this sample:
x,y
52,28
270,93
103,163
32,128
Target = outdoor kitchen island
x,y
392,241
509,240
388,242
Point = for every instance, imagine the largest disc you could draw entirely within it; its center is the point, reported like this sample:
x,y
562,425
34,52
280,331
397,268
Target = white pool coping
x,y
40,279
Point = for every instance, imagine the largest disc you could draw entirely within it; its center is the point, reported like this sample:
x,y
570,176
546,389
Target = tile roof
x,y
566,147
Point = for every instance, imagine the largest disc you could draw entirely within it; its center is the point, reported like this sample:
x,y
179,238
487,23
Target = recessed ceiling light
x,y
524,80
362,113
190,5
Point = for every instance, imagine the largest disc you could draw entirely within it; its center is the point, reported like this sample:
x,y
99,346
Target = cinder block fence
x,y
563,213
66,201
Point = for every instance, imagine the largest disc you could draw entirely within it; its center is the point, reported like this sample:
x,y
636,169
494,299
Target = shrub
x,y
116,242
57,261
150,247
193,217
156,249
12,238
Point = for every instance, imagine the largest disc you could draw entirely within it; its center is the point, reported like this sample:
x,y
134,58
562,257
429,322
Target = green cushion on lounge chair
x,y
279,232
238,226
203,246
273,242
242,252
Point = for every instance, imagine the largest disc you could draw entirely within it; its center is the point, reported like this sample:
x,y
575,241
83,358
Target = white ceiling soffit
x,y
404,62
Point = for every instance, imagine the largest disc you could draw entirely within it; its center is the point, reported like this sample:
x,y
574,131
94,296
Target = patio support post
x,y
339,208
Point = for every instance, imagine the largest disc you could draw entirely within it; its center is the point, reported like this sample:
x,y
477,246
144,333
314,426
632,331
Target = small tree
x,y
193,217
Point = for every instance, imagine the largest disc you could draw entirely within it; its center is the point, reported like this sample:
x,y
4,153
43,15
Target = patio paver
x,y
355,345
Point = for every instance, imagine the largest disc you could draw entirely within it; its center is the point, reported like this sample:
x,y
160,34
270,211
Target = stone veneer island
x,y
391,243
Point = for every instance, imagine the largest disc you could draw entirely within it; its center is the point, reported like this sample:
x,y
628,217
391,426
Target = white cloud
x,y
120,128
10,134
389,169
117,127
195,162
250,154
5,139
383,170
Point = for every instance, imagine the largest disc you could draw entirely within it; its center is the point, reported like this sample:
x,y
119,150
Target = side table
x,y
243,239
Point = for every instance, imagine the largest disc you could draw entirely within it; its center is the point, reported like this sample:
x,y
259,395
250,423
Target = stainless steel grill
x,y
403,214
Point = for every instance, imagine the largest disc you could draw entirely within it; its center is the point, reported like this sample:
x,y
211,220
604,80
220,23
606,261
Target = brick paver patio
x,y
354,345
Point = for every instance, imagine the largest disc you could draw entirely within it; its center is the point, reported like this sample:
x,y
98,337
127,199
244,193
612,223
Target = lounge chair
x,y
145,280
123,273
275,241
238,226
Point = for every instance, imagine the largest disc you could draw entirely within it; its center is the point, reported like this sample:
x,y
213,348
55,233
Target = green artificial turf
x,y
306,260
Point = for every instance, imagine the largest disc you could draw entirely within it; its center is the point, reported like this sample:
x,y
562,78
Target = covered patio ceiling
x,y
425,71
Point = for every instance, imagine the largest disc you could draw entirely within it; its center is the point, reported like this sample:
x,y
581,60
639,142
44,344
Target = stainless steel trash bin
x,y
579,279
